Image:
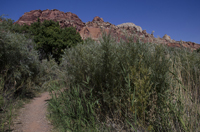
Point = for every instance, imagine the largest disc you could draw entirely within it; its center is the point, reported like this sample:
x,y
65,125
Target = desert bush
x,y
117,86
20,69
18,60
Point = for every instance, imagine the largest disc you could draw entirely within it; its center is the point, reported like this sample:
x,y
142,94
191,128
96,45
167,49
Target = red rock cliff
x,y
94,28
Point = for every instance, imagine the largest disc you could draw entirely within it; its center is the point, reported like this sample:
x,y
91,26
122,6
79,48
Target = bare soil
x,y
32,118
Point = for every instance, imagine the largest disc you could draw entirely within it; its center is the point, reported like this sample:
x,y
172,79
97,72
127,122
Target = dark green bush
x,y
198,50
51,40
19,64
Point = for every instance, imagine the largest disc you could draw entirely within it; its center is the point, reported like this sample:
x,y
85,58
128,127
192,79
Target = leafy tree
x,y
51,40
6,23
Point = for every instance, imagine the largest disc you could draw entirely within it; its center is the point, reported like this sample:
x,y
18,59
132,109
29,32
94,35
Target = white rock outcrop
x,y
131,25
167,37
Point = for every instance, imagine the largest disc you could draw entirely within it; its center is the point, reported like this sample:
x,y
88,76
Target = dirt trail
x,y
32,117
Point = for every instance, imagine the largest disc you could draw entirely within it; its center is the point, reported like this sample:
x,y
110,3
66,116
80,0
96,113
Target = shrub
x,y
20,69
128,86
18,58
50,39
198,50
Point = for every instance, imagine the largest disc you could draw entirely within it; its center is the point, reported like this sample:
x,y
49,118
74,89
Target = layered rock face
x,y
94,28
65,19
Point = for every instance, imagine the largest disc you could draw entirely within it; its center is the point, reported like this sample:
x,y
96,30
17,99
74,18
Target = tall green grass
x,y
115,86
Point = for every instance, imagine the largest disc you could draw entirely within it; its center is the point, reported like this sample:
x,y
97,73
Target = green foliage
x,y
105,85
1,102
8,24
20,70
51,40
18,59
141,81
80,110
89,40
128,86
198,50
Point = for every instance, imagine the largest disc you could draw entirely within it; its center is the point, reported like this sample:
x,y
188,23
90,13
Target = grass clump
x,y
115,86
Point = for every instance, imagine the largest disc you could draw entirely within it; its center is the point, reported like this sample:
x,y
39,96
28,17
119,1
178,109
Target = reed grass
x,y
115,86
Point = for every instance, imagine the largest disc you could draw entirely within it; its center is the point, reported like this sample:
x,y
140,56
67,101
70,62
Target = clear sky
x,y
180,19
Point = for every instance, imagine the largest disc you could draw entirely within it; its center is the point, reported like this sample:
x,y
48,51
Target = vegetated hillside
x,y
93,29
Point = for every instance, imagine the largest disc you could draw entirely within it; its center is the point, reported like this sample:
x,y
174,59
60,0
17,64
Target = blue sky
x,y
180,19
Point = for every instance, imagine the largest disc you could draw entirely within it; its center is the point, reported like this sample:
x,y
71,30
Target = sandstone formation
x,y
167,37
65,19
95,27
97,19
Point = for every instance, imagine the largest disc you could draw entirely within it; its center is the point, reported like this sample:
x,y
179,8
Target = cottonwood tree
x,y
51,40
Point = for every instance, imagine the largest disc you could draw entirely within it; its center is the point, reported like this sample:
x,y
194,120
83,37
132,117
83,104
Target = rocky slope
x,y
65,19
94,28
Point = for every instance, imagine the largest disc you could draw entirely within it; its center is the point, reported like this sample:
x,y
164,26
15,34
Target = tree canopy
x,y
51,40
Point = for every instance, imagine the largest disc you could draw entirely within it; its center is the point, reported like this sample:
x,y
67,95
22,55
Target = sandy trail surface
x,y
32,118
